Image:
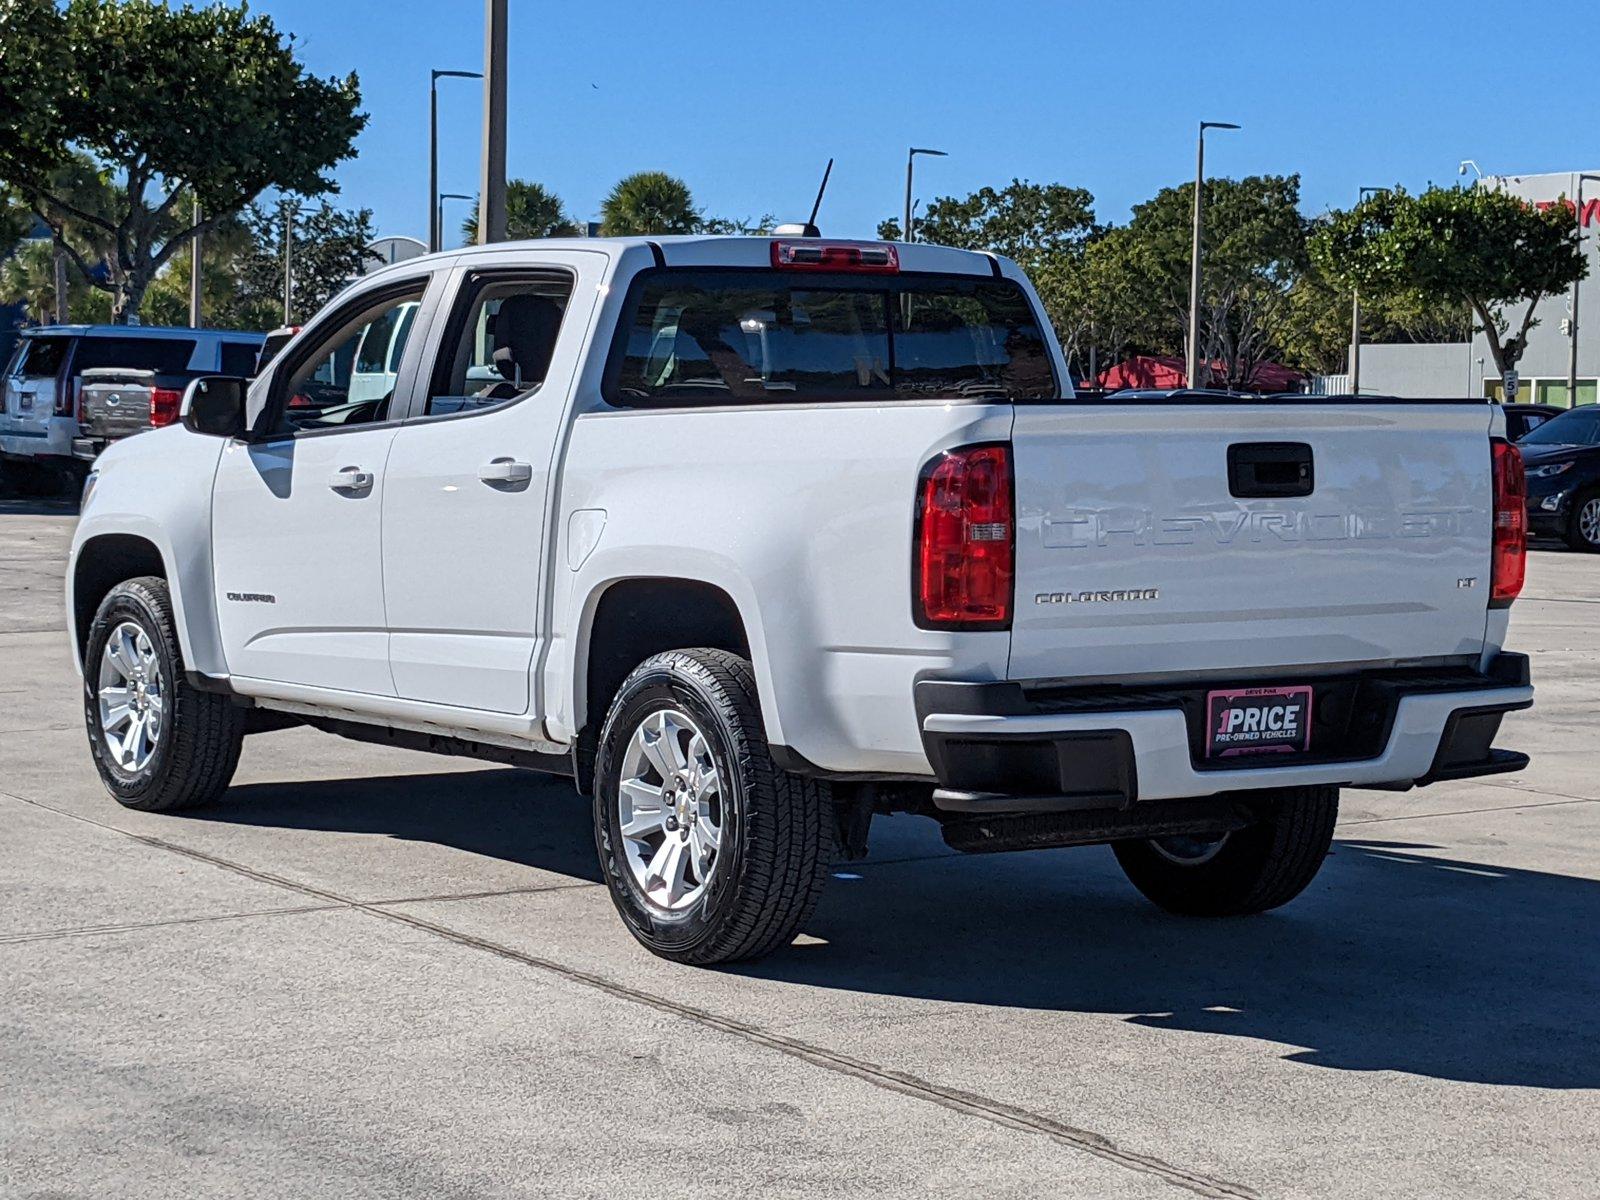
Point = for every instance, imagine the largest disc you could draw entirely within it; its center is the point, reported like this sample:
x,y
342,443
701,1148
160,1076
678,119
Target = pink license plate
x,y
1264,720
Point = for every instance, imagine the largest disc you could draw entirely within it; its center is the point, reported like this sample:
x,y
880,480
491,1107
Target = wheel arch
x,y
105,557
627,620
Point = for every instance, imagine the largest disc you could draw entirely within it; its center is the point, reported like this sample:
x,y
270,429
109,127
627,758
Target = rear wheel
x,y
1246,871
711,852
158,743
1583,527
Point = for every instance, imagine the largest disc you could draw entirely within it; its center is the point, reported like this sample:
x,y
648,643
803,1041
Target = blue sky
x,y
747,101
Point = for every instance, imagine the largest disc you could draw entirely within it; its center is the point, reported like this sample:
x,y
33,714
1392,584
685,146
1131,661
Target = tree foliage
x,y
170,104
1031,223
649,202
1477,248
532,211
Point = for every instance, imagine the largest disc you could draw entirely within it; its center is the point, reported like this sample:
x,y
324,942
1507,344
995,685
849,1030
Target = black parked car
x,y
1523,419
1563,461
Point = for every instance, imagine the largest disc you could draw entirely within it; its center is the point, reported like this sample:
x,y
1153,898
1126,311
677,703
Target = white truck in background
x,y
756,538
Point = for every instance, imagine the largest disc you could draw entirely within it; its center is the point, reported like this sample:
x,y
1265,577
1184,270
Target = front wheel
x,y
159,744
1583,528
711,852
1246,871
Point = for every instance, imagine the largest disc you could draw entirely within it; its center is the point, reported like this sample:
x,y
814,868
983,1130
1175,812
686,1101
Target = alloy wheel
x,y
671,810
131,696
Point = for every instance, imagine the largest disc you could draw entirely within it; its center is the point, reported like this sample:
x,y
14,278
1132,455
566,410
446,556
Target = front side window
x,y
731,337
349,377
499,343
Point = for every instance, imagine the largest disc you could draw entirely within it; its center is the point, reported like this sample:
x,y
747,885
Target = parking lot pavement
x,y
378,973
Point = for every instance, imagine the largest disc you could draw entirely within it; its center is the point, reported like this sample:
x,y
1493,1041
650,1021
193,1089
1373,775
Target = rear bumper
x,y
998,747
34,438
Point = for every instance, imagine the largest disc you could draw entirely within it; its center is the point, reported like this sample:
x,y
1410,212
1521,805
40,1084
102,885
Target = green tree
x,y
1032,223
1254,248
649,202
330,249
28,277
532,211
1100,314
1467,248
171,103
15,220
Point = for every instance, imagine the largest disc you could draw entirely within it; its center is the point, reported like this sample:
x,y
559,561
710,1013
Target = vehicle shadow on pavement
x,y
1392,961
1395,959
488,812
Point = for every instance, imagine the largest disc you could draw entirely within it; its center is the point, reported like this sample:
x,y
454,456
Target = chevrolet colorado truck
x,y
756,538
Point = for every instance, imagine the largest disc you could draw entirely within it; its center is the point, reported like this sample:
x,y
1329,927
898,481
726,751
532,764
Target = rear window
x,y
740,337
42,357
239,358
164,356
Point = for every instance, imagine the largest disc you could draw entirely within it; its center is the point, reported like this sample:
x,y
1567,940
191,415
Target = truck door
x,y
467,491
296,513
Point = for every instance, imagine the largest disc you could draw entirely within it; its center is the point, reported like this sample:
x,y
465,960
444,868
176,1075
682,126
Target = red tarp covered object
x,y
1148,371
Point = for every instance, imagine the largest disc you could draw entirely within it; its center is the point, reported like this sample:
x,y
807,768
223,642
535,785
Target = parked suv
x,y
758,538
42,418
1563,463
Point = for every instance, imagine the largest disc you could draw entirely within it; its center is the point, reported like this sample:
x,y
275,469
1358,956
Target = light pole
x,y
289,210
435,234
1355,315
438,212
195,281
1461,168
1194,252
492,182
911,157
1577,287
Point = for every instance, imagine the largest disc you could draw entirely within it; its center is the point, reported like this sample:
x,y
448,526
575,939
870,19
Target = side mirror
x,y
214,405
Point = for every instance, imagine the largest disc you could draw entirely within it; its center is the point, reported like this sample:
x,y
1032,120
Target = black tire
x,y
1574,535
777,829
1254,869
197,747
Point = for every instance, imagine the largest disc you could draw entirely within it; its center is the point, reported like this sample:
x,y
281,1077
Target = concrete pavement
x,y
380,973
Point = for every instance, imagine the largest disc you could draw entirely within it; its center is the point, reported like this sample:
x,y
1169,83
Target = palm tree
x,y
649,202
532,211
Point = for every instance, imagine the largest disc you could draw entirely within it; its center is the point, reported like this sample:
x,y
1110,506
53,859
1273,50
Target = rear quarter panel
x,y
804,516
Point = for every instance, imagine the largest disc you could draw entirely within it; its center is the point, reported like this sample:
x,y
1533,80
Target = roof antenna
x,y
811,225
809,229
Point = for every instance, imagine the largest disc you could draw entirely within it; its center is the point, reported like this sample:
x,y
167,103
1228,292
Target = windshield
x,y
1578,427
739,337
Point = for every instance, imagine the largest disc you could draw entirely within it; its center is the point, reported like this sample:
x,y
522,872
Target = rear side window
x,y
239,358
740,337
42,357
164,356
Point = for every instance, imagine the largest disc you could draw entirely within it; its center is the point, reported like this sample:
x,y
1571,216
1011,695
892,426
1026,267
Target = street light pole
x,y
435,233
911,157
438,212
288,260
1577,288
1355,316
195,279
492,186
1194,252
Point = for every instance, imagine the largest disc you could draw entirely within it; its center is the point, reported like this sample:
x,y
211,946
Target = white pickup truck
x,y
756,538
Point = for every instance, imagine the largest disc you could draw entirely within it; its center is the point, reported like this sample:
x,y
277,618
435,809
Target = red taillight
x,y
1509,562
870,258
965,540
164,403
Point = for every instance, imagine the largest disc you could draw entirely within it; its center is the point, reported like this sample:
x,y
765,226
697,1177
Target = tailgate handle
x,y
1265,469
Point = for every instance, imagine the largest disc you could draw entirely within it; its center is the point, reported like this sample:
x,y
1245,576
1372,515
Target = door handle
x,y
350,479
505,470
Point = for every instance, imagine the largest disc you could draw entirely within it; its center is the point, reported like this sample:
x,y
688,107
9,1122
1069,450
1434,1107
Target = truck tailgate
x,y
114,403
1167,538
